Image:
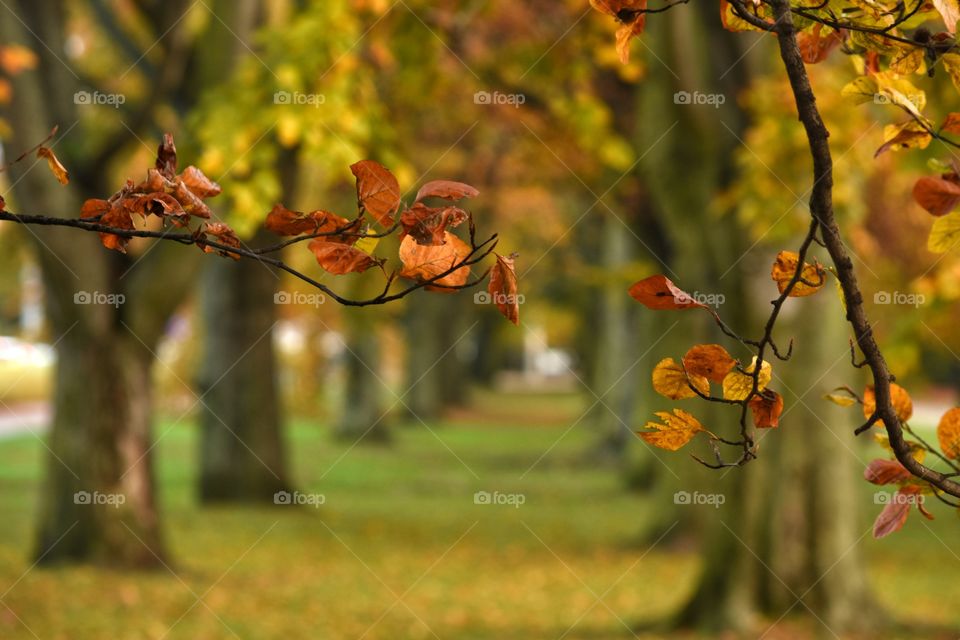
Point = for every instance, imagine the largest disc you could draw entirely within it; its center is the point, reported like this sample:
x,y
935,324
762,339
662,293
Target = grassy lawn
x,y
400,550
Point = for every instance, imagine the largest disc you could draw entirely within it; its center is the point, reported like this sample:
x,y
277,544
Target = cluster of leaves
x,y
742,385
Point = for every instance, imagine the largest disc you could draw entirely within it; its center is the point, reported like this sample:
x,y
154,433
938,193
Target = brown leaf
x,y
428,225
94,208
285,222
784,268
377,190
221,234
424,262
894,515
766,408
167,157
446,189
939,196
815,47
503,288
951,123
158,204
882,471
708,360
202,186
674,430
672,381
56,168
948,433
339,259
626,34
3,204
899,398
118,218
657,292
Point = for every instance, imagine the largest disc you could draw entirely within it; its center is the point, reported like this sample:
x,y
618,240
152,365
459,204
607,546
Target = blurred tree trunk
x,y
100,441
362,411
769,528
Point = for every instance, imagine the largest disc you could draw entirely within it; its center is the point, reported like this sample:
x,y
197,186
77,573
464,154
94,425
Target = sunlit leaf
x,y
672,381
738,385
948,433
784,268
673,431
378,191
424,262
708,360
56,168
899,397
766,409
657,292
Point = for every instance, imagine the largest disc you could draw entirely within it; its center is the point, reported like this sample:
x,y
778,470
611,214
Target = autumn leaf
x,y
220,233
503,288
708,360
766,408
672,381
166,163
339,259
784,267
949,10
840,400
815,47
632,13
894,515
951,124
674,430
199,184
910,135
428,225
425,262
378,191
56,168
285,222
626,34
882,471
15,59
945,233
902,403
657,292
939,196
948,433
446,189
737,385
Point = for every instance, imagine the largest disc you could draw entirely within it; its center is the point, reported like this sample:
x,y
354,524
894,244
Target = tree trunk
x,y
362,414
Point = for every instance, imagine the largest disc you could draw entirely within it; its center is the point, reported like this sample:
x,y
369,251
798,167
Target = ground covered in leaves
x,y
400,549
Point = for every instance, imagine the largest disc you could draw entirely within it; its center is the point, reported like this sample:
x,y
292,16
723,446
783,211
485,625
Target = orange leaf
x,y
428,225
199,184
766,408
708,360
882,471
902,403
948,433
446,189
425,262
56,168
285,222
377,190
657,292
814,47
222,234
939,196
952,123
784,268
674,430
626,34
339,259
503,288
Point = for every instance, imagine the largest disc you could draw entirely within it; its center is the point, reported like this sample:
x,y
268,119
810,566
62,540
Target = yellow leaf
x,y
945,233
53,162
843,401
737,385
674,430
784,268
367,244
670,380
948,433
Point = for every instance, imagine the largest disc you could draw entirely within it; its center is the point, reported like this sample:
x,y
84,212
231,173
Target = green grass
x,y
400,522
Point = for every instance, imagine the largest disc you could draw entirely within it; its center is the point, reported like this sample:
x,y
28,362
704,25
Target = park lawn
x,y
400,550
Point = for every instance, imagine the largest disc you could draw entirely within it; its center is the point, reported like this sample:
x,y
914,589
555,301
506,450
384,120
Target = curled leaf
x,y
56,168
339,259
428,225
425,262
285,222
894,515
503,288
446,189
812,278
220,233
